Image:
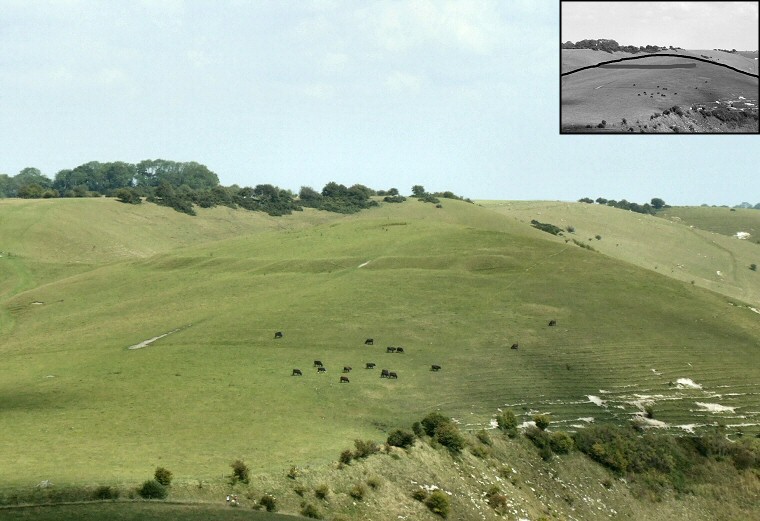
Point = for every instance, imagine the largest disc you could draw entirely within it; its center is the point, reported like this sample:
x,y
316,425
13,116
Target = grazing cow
x,y
346,368
297,372
278,334
317,363
344,379
435,367
369,342
552,323
392,374
390,349
384,374
399,349
321,369
515,345
370,365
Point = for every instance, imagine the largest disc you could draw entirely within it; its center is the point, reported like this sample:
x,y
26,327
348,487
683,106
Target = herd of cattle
x,y
384,373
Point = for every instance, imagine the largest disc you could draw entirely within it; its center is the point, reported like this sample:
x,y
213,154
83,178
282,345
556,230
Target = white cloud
x,y
466,25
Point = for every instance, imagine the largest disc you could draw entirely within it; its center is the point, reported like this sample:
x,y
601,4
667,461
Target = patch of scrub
x,y
715,407
684,383
146,343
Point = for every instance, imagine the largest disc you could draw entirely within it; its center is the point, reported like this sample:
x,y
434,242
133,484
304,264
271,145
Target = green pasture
x,y
455,286
726,221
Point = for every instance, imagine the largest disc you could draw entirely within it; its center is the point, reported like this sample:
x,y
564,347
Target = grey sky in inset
x,y
691,25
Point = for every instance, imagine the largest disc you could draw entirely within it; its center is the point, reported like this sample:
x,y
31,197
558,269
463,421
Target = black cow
x,y
515,345
552,323
399,349
370,365
321,369
344,379
392,374
346,368
317,363
384,374
390,349
278,334
297,372
435,367
369,342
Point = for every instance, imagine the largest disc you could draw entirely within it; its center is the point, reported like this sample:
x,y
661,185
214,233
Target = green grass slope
x,y
687,244
455,286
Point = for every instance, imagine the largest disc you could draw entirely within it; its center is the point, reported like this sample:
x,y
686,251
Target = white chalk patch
x,y
50,376
749,104
715,407
755,310
688,427
493,423
683,383
719,273
596,400
587,419
651,422
599,87
525,425
37,303
146,343
602,391
742,235
656,372
364,264
742,97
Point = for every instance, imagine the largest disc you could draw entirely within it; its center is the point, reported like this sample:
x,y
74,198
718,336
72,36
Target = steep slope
x,y
455,286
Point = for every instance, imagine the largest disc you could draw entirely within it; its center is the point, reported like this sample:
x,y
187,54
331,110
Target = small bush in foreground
x,y
438,503
152,489
753,267
106,492
240,471
560,442
269,502
542,421
310,511
420,494
401,438
484,438
374,483
346,456
448,436
322,491
365,448
358,491
432,421
163,476
507,422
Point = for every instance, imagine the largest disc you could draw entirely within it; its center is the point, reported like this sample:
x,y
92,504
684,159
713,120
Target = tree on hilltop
x,y
657,203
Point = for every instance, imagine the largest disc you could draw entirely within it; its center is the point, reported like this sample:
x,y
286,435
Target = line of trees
x,y
611,46
647,208
185,185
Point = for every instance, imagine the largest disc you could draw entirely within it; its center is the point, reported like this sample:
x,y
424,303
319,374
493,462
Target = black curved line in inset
x,y
598,65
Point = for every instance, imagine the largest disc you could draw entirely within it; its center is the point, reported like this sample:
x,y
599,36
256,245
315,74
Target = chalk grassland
x,y
593,95
687,244
455,286
725,221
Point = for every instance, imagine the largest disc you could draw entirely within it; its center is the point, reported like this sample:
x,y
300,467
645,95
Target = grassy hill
x,y
454,286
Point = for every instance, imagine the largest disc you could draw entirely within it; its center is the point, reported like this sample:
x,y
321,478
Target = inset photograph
x,y
659,67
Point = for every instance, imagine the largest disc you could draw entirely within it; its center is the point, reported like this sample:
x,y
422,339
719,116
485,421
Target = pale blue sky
x,y
453,95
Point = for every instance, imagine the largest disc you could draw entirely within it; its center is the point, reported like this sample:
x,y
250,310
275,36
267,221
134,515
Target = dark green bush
x,y
240,471
269,502
394,199
374,483
346,456
163,476
420,494
365,448
545,227
438,503
401,438
417,429
432,421
560,442
507,422
152,489
105,492
542,421
448,435
310,511
484,437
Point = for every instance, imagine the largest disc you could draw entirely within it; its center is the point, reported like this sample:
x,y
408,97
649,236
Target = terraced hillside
x,y
455,286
